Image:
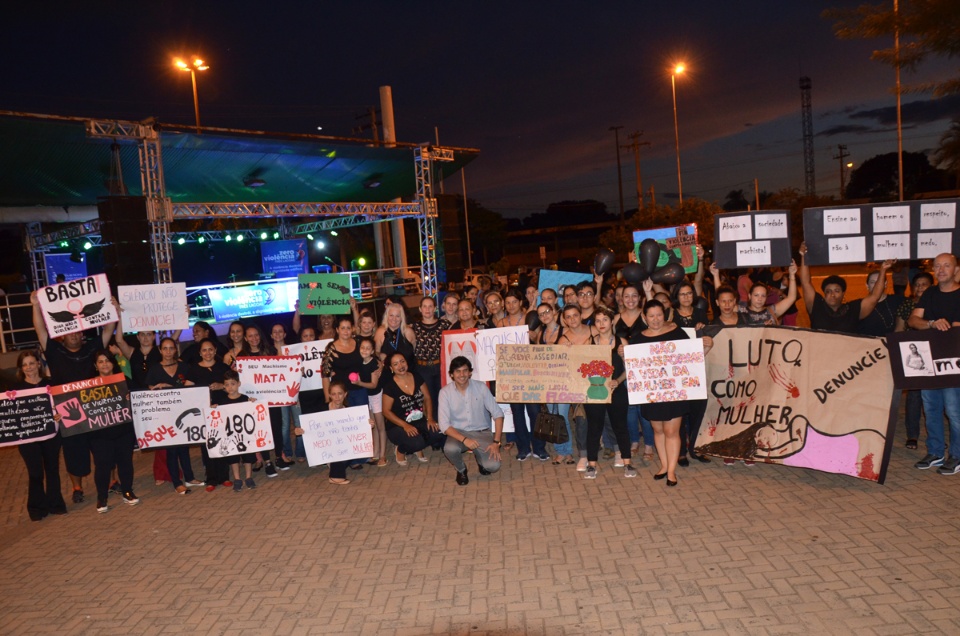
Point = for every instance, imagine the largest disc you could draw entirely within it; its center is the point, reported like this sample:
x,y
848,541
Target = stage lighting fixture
x,y
67,243
333,232
201,240
320,245
87,245
276,235
309,237
181,241
362,262
263,236
227,238
240,238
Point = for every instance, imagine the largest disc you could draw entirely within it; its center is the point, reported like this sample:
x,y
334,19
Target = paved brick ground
x,y
532,550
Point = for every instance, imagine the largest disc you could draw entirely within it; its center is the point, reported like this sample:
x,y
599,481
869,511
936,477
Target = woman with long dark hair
x,y
112,447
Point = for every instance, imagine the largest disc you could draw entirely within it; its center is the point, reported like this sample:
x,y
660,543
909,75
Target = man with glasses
x,y
586,297
466,407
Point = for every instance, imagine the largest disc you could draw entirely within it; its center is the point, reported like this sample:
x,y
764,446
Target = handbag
x,y
551,427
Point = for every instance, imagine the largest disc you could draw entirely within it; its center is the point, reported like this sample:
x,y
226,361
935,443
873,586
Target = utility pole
x,y
842,155
635,144
653,201
616,141
756,192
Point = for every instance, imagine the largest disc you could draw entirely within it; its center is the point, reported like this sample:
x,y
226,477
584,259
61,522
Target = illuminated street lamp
x,y
677,70
197,65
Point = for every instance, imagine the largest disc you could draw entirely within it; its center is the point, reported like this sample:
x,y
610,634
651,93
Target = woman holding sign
x,y
112,447
210,372
42,459
407,407
626,325
235,334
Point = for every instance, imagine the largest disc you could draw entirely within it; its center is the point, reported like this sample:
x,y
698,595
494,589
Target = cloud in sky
x,y
923,111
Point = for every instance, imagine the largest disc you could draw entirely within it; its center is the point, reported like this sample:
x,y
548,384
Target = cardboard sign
x,y
153,307
671,371
170,417
337,436
311,362
235,429
927,359
76,305
488,340
677,245
752,239
800,398
274,380
324,293
90,405
26,416
553,373
456,342
557,280
879,231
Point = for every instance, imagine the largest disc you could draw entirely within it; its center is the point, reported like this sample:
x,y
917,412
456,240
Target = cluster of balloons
x,y
635,273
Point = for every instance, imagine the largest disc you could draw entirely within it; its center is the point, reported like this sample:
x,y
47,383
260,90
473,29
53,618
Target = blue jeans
x,y
637,423
936,403
292,421
567,447
525,440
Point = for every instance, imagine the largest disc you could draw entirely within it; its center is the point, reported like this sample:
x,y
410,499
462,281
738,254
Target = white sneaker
x,y
582,465
617,460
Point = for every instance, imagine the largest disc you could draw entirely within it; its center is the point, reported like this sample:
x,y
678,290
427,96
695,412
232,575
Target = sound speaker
x,y
125,232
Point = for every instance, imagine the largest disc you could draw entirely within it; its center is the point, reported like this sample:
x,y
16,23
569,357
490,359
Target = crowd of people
x,y
393,368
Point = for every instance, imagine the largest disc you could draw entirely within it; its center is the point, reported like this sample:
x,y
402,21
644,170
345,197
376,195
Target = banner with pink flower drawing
x,y
553,374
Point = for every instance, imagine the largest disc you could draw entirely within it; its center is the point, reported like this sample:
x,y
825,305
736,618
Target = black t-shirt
x,y
191,355
205,376
937,304
408,408
844,320
159,375
883,319
141,364
71,366
240,399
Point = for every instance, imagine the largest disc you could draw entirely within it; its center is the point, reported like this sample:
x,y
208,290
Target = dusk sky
x,y
534,85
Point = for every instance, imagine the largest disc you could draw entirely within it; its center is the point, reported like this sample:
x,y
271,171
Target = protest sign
x,y
324,293
274,380
246,301
284,258
800,398
908,230
311,362
677,245
337,436
456,342
507,413
488,340
89,405
76,305
928,359
26,416
160,307
553,374
557,280
671,371
169,417
235,429
752,239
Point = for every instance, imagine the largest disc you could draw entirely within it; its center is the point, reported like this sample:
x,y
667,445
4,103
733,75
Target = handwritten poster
x,y
753,239
894,218
160,307
938,216
850,249
771,225
324,293
846,221
26,416
235,429
927,359
886,246
800,398
734,228
932,244
677,245
553,374
311,362
169,417
754,253
76,305
90,405
274,380
672,371
337,436
456,342
485,369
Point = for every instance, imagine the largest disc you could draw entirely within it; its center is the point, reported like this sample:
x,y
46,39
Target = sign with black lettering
x,y
26,416
76,305
324,293
928,359
752,239
311,362
904,230
235,429
800,398
272,379
170,417
90,405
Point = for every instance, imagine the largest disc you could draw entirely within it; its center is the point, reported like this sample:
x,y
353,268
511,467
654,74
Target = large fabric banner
x,y
235,429
161,307
285,258
800,398
90,405
487,342
456,342
928,359
311,362
170,417
324,293
26,416
246,301
672,371
337,436
272,379
77,305
553,374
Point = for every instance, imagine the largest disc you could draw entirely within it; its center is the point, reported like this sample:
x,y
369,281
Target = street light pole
x,y
679,68
616,140
198,65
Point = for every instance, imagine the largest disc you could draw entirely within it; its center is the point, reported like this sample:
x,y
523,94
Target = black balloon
x,y
669,274
701,304
603,261
649,254
634,273
533,320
